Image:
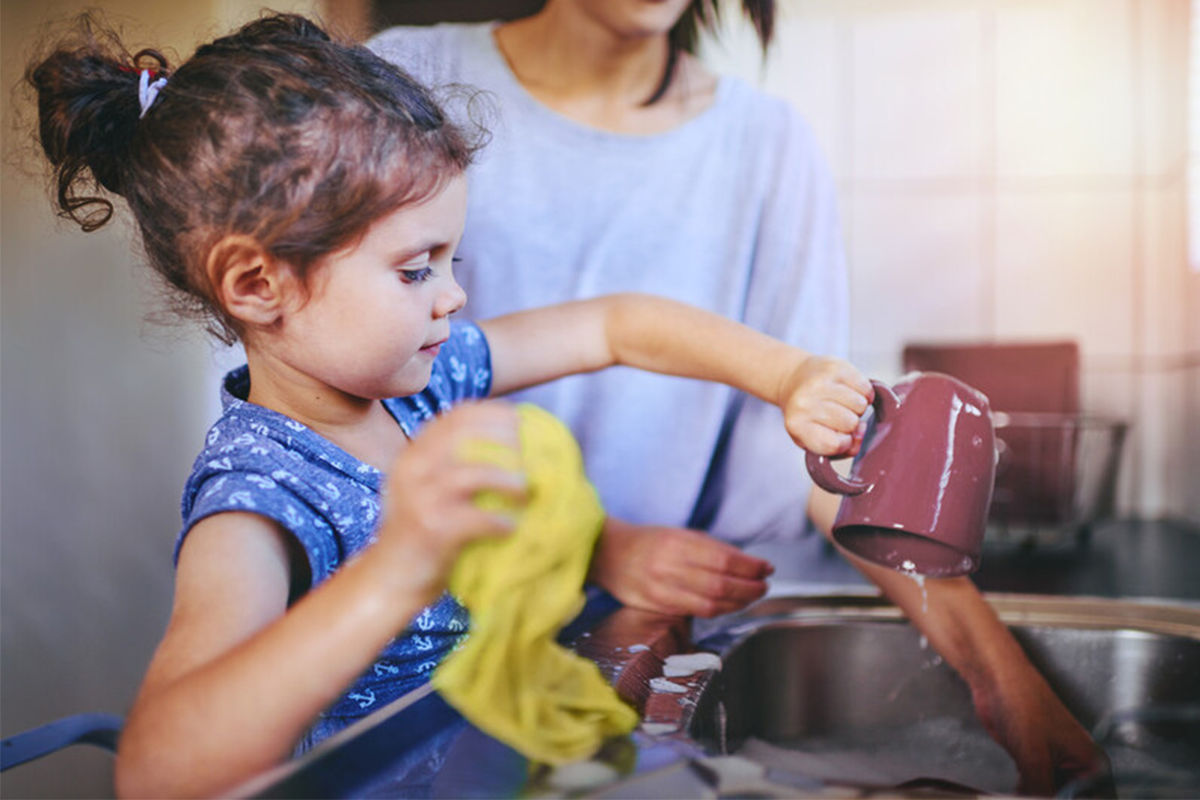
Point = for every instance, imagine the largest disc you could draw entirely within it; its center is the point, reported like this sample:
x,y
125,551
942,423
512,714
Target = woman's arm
x,y
1013,700
822,399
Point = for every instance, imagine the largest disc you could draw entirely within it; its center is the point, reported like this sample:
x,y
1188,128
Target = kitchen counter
x,y
1119,559
1126,558
419,746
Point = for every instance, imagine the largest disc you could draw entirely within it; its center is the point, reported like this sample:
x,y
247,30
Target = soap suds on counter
x,y
678,666
664,685
581,775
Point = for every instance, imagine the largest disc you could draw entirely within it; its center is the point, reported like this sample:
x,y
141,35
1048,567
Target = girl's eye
x,y
418,275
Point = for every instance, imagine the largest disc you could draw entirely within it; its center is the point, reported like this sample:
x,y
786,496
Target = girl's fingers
x,y
824,441
468,479
836,418
472,523
849,397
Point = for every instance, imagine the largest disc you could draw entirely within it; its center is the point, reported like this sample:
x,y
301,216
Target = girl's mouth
x,y
433,349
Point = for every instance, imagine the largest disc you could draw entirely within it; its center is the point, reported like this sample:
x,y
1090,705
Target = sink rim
x,y
1153,617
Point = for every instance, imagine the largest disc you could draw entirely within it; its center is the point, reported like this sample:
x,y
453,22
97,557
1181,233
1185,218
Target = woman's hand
x,y
1014,702
429,510
676,571
823,401
1050,748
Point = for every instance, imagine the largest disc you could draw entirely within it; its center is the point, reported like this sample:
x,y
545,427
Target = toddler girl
x,y
305,197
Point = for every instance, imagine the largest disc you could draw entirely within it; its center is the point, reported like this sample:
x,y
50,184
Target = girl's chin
x,y
413,380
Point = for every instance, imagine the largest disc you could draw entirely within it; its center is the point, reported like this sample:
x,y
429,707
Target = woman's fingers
x,y
720,558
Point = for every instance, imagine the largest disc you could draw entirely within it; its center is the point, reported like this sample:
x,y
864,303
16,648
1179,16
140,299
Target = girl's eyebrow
x,y
424,247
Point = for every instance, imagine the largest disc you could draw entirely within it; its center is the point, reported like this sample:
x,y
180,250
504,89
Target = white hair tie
x,y
148,92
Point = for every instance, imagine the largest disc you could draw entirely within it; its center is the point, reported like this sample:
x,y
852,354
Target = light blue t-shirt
x,y
261,461
733,211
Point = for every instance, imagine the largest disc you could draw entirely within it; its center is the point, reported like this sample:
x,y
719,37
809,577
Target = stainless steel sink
x,y
845,690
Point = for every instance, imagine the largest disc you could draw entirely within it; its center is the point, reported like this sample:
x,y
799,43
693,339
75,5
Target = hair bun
x,y
88,110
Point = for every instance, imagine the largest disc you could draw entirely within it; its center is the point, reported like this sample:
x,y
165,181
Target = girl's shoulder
x,y
250,440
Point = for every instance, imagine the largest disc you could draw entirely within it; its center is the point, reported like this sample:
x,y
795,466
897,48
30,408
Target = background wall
x,y
101,415
1014,169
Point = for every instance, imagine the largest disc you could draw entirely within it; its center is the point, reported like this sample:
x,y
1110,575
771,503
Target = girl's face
x,y
375,314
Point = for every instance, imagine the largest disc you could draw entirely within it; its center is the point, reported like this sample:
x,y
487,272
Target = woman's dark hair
x,y
701,16
275,131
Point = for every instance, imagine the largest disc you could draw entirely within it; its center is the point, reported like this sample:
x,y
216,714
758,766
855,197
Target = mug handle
x,y
821,468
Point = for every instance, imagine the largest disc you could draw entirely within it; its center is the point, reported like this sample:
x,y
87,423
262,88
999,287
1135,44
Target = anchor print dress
x,y
260,461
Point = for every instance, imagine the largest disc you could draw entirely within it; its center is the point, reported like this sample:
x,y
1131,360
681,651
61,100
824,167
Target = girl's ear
x,y
247,282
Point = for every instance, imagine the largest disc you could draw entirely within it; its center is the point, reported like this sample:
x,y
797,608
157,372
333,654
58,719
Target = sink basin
x,y
848,692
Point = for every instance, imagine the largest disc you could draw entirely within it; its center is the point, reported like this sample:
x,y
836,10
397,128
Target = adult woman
x,y
618,163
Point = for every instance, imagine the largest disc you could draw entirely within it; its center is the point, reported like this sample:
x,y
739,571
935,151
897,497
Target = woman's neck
x,y
601,77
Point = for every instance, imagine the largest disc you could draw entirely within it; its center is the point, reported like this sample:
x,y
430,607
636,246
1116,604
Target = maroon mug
x,y
917,496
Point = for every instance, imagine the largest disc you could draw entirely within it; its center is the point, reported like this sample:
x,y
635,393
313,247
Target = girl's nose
x,y
450,299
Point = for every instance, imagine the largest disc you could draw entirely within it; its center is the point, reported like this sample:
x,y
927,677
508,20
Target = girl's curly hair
x,y
276,131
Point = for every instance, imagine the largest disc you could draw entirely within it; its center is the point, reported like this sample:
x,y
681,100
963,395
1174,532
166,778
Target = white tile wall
x,y
938,53
1014,169
1163,311
1064,88
1064,268
1163,65
918,273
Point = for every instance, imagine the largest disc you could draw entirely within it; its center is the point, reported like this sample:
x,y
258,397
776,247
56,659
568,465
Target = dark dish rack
x,y
1056,476
1057,469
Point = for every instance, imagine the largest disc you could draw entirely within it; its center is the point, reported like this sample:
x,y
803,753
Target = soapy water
x,y
909,570
722,722
944,748
951,749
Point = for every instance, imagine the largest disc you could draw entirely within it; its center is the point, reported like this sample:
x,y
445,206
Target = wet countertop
x,y
1129,559
419,746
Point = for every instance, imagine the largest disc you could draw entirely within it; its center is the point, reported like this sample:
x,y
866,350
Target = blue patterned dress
x,y
260,461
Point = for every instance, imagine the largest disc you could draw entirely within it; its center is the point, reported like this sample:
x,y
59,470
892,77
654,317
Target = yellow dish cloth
x,y
510,677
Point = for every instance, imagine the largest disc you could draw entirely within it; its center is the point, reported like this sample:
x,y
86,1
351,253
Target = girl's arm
x,y
236,681
239,677
822,399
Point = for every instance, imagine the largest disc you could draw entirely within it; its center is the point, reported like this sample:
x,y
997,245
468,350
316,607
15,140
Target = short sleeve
x,y
272,497
463,370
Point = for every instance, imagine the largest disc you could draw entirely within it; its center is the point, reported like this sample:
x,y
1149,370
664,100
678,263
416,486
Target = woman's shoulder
x,y
433,53
765,114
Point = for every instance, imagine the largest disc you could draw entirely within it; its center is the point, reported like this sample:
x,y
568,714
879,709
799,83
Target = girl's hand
x,y
429,510
823,400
